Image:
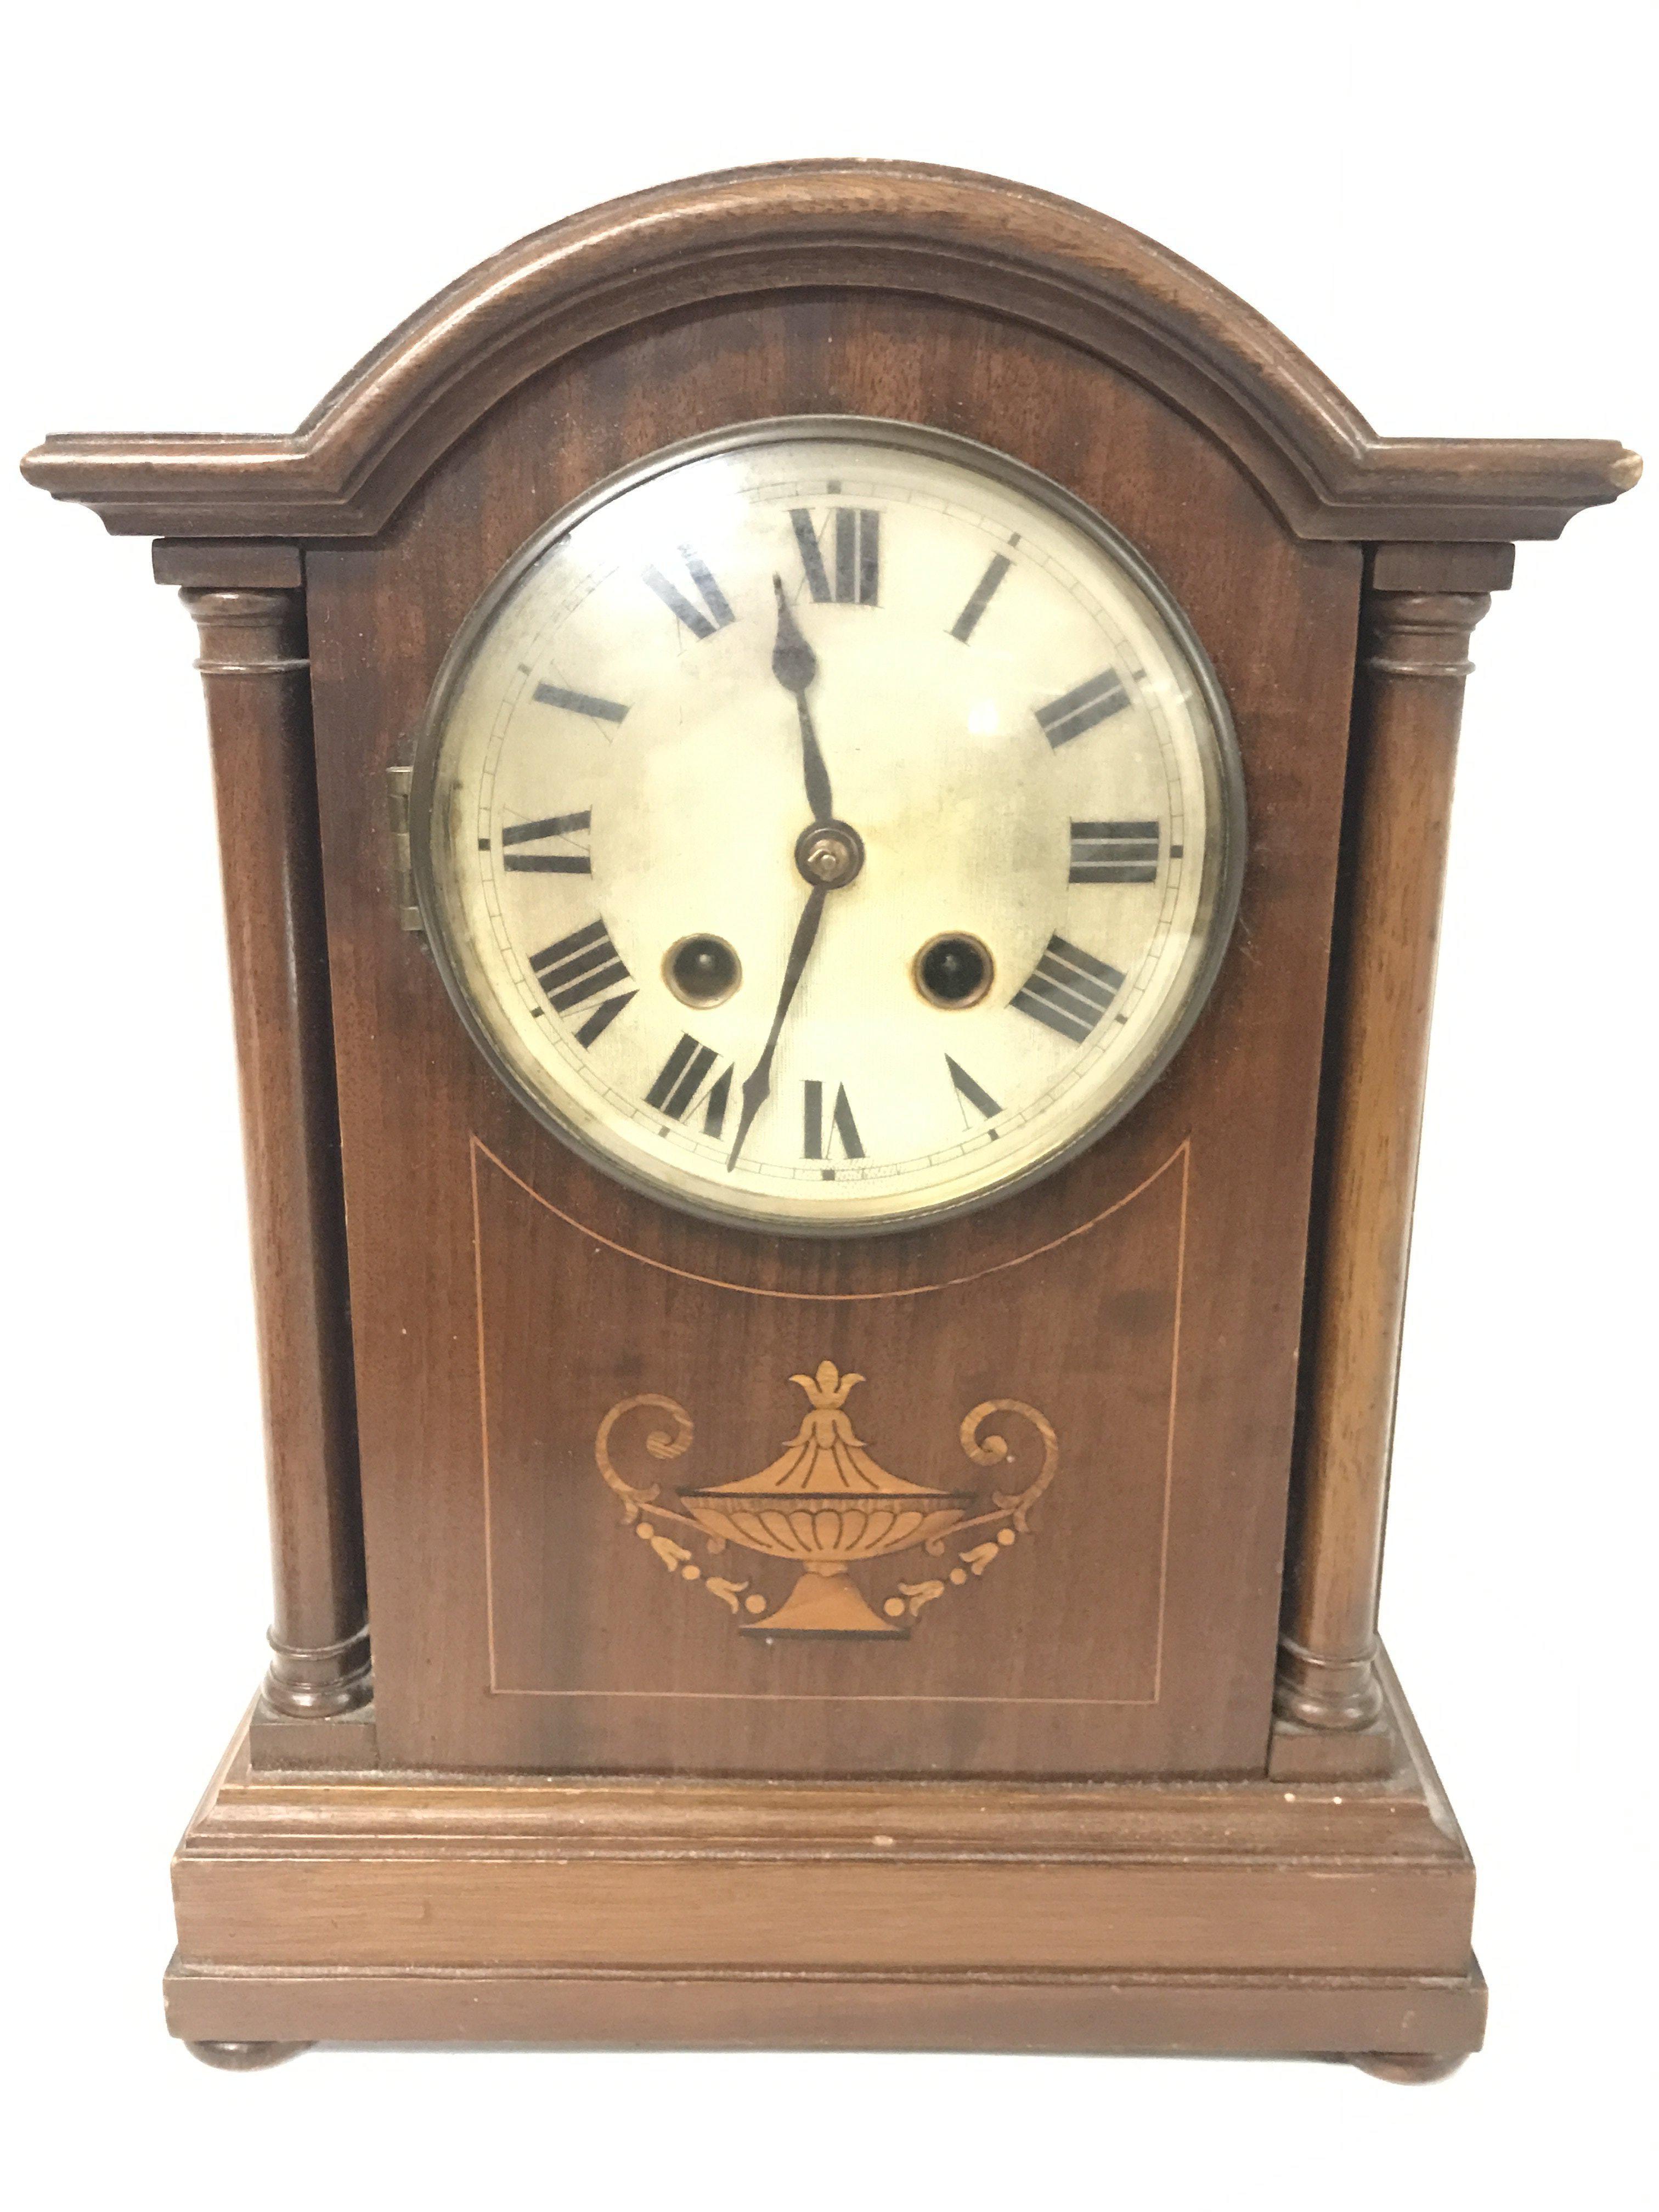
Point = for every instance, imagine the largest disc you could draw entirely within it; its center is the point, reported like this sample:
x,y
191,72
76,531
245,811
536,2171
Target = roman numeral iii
x,y
557,828
579,968
1114,852
1091,704
702,621
681,1077
1068,990
842,1125
854,551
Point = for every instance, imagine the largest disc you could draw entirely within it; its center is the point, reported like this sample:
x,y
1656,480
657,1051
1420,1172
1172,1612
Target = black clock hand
x,y
796,667
758,1087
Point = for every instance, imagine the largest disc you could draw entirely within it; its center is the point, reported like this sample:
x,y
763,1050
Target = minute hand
x,y
758,1088
796,667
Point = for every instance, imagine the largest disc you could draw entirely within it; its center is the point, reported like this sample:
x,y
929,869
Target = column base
x,y
320,1682
1326,1694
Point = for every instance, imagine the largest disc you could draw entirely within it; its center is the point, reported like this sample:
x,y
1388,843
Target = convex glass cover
x,y
827,825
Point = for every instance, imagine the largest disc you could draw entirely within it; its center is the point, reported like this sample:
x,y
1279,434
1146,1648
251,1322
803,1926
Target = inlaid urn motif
x,y
827,1503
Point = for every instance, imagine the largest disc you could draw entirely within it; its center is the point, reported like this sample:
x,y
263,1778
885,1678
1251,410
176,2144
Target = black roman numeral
x,y
1081,709
701,621
1069,989
579,968
580,702
560,826
680,1078
963,628
842,1125
855,548
975,1093
1114,852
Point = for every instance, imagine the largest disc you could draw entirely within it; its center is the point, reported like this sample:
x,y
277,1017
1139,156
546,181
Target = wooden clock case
x,y
1139,1777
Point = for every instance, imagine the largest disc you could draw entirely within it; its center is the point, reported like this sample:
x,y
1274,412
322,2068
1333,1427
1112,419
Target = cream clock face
x,y
828,825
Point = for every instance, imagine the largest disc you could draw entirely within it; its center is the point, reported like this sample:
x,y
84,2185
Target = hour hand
x,y
796,667
793,661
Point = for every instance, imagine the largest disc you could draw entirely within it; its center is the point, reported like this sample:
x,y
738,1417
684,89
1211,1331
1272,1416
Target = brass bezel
x,y
1223,859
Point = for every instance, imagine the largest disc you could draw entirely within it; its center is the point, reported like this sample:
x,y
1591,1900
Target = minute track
x,y
841,766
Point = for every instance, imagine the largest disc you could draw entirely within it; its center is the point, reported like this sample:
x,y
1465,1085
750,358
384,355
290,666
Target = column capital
x,y
1421,633
247,632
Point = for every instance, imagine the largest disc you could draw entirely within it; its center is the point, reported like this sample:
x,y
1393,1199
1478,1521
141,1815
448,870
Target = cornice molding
x,y
858,226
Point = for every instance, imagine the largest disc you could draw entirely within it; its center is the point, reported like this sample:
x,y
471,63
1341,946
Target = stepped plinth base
x,y
1326,1919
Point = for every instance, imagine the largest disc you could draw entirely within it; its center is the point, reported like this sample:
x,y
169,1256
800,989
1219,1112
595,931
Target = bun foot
x,y
1407,2065
245,2057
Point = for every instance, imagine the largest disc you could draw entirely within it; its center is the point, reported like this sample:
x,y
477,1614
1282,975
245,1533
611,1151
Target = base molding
x,y
1329,1917
1287,2016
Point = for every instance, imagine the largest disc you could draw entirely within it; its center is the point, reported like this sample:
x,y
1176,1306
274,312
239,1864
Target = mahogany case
x,y
1137,1779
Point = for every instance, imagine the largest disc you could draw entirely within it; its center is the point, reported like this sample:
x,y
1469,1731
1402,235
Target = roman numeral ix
x,y
1069,990
562,827
681,1077
579,968
842,1125
701,621
855,548
1082,709
1114,852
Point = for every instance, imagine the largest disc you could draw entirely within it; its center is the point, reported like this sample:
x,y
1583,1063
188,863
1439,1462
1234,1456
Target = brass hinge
x,y
398,782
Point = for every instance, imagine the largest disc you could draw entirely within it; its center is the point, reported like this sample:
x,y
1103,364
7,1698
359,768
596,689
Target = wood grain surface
x,y
1408,707
1261,2015
896,227
898,1915
254,669
1158,1628
1058,1813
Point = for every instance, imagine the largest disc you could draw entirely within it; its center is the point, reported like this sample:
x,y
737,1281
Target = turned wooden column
x,y
257,678
1408,706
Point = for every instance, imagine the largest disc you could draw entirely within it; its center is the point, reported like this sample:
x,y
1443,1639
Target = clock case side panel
x,y
1279,617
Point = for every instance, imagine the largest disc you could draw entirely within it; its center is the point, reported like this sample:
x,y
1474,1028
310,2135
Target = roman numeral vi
x,y
842,1125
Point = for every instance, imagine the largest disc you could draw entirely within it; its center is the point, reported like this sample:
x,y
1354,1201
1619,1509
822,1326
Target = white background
x,y
213,214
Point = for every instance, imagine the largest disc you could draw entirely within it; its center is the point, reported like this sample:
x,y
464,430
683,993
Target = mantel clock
x,y
833,783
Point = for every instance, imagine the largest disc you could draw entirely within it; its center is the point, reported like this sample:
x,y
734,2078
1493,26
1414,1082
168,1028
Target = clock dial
x,y
827,826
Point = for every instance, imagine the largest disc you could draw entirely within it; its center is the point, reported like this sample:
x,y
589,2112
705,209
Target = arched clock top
x,y
858,226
